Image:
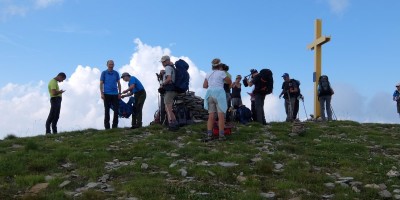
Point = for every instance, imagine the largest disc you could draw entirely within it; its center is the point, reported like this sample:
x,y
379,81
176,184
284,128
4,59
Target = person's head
x,y
61,77
253,72
286,77
398,86
238,77
224,67
125,76
165,60
110,64
215,62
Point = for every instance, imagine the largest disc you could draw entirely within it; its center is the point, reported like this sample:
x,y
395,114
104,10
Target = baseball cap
x,y
164,58
252,71
125,74
285,75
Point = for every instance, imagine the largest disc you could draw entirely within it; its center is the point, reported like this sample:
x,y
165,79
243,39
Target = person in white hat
x,y
396,97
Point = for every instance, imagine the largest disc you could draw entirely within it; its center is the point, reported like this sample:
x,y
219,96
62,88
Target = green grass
x,y
365,152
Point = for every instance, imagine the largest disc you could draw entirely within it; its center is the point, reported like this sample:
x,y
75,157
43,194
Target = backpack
x,y
298,85
182,114
265,84
181,76
124,110
324,86
243,114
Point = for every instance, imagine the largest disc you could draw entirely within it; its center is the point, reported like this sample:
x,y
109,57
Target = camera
x,y
245,80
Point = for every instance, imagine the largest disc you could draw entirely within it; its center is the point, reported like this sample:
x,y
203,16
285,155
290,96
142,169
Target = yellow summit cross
x,y
316,45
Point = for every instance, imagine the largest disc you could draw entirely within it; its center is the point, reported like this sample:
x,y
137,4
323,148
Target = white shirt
x,y
216,79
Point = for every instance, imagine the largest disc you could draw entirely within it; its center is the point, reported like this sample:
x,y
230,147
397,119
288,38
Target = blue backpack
x,y
181,76
125,110
243,114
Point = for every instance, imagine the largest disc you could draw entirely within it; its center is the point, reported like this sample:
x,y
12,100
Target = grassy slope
x,y
365,152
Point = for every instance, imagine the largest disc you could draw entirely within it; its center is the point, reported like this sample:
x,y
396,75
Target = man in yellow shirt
x,y
55,102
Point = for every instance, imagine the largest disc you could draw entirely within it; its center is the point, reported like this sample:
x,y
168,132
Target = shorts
x,y
213,105
169,97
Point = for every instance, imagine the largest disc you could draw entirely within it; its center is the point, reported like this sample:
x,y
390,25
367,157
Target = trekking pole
x,y
333,112
302,99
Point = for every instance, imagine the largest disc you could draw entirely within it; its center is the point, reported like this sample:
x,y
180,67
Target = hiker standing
x,y
236,89
396,97
170,93
258,95
290,91
325,93
110,90
227,88
135,88
253,106
215,99
55,102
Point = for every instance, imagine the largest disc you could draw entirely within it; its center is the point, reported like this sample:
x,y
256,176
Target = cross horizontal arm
x,y
320,41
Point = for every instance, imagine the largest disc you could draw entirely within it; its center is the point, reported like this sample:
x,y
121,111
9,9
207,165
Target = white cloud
x,y
25,107
46,3
338,6
9,8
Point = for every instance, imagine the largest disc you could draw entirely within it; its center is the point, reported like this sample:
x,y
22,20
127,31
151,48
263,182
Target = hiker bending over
x,y
396,97
215,99
135,88
55,102
110,91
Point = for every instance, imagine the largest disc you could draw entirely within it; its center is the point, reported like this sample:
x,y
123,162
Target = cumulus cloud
x,y
25,106
338,6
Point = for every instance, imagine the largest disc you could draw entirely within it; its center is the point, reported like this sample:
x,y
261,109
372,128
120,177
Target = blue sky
x,y
39,38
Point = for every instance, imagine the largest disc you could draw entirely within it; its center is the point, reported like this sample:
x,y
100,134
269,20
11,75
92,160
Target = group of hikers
x,y
222,96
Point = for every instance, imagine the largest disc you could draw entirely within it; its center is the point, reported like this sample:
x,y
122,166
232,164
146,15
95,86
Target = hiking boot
x,y
209,138
222,138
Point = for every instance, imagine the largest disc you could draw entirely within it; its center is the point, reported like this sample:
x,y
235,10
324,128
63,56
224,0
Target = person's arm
x,y
55,92
205,84
228,80
119,89
128,92
102,86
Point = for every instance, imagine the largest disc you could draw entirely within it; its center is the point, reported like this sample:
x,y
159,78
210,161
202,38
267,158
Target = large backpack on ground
x,y
125,110
182,114
324,86
243,114
181,76
266,82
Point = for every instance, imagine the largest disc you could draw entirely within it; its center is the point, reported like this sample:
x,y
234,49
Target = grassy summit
x,y
337,160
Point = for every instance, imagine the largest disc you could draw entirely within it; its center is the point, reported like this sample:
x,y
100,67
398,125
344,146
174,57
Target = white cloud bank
x,y
25,107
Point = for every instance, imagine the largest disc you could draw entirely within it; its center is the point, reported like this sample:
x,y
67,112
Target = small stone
x,y
144,166
329,185
92,185
38,187
63,184
227,164
256,159
355,189
373,186
241,179
278,166
48,178
183,172
385,194
382,186
397,196
397,191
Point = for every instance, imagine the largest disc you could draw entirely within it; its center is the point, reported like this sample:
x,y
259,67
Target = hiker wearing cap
x,y
290,92
215,99
135,88
110,91
55,102
396,97
236,89
170,93
258,95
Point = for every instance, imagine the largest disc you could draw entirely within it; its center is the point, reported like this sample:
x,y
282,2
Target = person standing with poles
x,y
290,91
325,93
55,102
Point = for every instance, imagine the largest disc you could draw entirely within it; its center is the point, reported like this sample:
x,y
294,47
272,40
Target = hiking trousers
x,y
325,102
54,115
259,104
140,98
289,108
108,101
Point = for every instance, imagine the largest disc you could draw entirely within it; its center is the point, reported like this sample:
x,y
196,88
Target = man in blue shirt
x,y
135,88
110,90
396,97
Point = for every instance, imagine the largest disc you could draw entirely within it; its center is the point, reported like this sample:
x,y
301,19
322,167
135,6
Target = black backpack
x,y
182,114
243,114
324,86
265,82
181,76
298,85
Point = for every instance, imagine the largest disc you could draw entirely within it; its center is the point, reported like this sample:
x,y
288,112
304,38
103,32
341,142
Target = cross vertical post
x,y
316,45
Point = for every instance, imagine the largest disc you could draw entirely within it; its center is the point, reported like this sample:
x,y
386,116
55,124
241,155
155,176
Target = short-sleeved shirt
x,y
216,79
396,93
169,71
53,84
110,79
138,84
